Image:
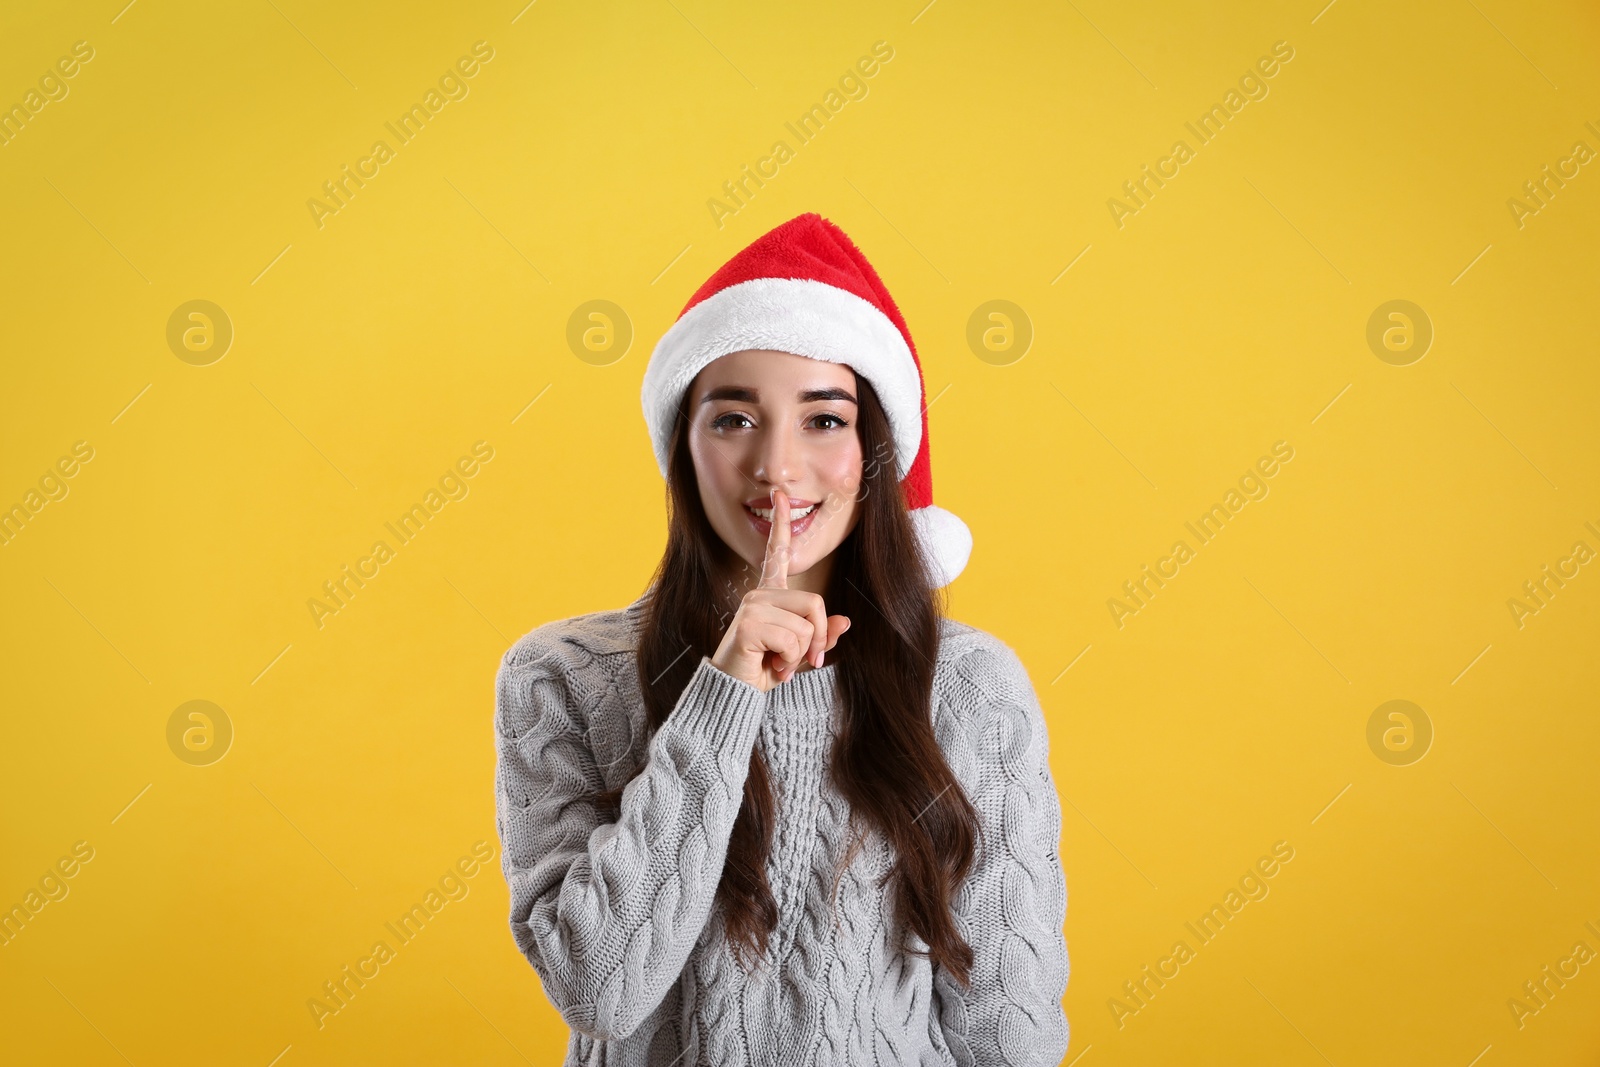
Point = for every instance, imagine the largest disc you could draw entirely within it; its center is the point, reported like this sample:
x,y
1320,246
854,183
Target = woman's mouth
x,y
761,519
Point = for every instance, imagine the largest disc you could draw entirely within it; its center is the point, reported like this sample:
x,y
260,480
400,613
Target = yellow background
x,y
369,354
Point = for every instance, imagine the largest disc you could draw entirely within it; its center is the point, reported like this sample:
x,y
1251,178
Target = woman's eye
x,y
732,418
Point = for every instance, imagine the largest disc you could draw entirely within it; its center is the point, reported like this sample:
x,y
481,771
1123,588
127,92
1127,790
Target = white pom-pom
x,y
946,541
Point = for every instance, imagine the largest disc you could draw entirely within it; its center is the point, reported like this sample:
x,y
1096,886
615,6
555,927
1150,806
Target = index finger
x,y
775,565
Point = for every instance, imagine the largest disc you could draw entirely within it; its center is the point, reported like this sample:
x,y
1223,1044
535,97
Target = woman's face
x,y
761,419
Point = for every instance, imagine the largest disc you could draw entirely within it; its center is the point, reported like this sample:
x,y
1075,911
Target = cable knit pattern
x,y
619,918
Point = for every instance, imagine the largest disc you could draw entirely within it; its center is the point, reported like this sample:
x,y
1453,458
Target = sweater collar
x,y
807,697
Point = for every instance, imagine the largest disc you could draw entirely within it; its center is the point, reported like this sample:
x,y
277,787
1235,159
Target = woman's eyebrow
x,y
753,396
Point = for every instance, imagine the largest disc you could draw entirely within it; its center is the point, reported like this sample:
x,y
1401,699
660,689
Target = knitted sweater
x,y
619,919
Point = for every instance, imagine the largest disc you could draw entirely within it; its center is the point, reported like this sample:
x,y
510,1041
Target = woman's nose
x,y
776,456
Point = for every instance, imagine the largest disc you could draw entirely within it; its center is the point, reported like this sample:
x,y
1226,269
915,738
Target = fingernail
x,y
820,655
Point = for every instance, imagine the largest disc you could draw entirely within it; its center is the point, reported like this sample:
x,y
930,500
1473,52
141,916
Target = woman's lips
x,y
764,527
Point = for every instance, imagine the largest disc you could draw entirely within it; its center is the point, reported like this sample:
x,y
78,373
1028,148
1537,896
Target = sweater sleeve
x,y
1013,906
608,912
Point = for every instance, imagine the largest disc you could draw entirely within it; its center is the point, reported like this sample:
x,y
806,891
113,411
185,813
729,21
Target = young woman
x,y
781,809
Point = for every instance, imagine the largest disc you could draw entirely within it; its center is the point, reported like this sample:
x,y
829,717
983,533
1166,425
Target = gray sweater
x,y
619,919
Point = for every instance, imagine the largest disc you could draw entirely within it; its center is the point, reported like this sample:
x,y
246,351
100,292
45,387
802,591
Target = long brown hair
x,y
886,761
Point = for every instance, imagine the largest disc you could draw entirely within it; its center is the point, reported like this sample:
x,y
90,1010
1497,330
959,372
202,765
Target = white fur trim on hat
x,y
946,541
798,315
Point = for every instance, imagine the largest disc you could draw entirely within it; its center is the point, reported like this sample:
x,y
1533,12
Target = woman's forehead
x,y
770,371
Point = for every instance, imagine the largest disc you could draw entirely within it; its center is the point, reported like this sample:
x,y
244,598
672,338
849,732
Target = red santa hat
x,y
805,288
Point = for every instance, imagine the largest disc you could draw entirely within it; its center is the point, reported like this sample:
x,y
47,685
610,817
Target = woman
x,y
741,830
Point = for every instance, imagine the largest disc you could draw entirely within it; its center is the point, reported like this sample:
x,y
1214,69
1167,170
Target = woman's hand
x,y
776,627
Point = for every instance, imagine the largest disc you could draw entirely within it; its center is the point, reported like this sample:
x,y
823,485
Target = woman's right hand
x,y
776,627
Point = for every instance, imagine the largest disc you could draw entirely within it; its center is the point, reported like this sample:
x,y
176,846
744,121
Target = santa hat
x,y
805,288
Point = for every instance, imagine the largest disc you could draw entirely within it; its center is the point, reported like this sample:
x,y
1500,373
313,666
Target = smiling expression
x,y
762,419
